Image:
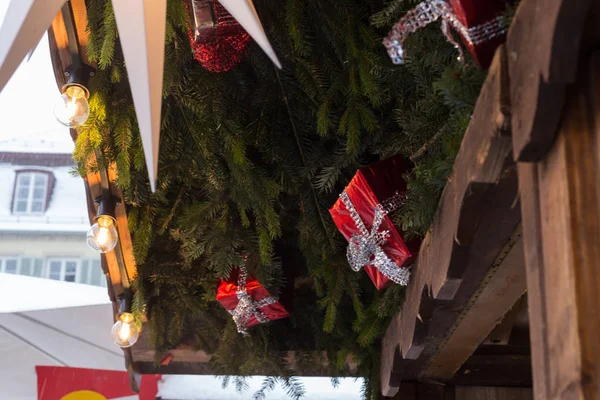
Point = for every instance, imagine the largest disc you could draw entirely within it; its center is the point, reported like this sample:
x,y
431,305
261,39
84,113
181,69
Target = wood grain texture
x,y
542,46
475,219
501,334
532,239
59,43
504,284
564,253
482,161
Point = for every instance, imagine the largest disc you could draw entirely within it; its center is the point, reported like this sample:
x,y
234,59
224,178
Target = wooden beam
x,y
509,370
543,47
502,288
561,208
59,43
120,263
477,215
501,334
483,160
186,360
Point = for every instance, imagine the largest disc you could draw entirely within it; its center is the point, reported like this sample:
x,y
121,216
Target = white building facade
x,y
43,215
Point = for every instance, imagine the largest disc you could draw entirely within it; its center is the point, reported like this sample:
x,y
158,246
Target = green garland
x,y
250,162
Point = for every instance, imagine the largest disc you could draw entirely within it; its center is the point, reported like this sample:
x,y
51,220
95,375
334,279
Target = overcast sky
x,y
27,101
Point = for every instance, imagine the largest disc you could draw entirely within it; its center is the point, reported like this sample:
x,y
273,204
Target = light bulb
x,y
125,332
103,235
72,108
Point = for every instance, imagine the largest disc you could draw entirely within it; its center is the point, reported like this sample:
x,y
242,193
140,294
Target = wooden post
x,y
560,197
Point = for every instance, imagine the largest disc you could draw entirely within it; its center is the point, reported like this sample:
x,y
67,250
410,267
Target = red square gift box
x,y
481,24
248,302
486,27
360,214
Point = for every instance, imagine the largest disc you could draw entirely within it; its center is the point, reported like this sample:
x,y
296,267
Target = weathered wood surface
x,y
477,215
510,368
59,43
502,333
499,292
561,206
543,48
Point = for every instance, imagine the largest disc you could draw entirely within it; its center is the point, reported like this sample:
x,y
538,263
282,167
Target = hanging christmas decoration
x,y
217,39
248,302
374,243
480,23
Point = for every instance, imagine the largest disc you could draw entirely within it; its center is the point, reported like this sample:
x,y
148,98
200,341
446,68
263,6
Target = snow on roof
x,y
20,293
52,141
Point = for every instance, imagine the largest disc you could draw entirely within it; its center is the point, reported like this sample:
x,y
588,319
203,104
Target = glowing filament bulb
x,y
125,332
103,235
72,108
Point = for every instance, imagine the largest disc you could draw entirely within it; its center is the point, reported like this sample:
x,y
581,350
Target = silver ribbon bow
x,y
365,247
247,307
429,11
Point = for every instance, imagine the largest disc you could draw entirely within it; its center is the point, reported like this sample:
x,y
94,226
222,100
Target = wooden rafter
x,y
561,201
477,216
542,50
118,266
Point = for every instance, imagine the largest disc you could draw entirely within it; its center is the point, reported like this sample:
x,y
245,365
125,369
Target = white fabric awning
x,y
20,293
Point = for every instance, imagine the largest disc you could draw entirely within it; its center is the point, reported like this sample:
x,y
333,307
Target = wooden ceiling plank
x,y
478,208
501,334
562,230
503,287
541,62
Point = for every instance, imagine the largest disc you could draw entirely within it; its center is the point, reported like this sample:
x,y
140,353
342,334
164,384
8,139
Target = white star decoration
x,y
141,25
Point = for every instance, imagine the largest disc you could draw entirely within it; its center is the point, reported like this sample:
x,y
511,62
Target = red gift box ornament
x,y
477,22
254,304
361,216
365,249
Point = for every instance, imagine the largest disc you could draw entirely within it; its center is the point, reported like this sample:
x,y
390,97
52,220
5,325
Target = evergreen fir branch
x,y
391,12
252,159
110,36
267,385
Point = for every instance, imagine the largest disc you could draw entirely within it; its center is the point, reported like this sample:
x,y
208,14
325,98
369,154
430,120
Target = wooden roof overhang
x,y
491,249
481,255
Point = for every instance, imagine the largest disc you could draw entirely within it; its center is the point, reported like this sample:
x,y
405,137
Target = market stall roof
x,y
49,294
67,336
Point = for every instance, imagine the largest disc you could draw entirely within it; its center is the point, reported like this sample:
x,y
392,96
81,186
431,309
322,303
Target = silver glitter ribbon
x,y
429,11
365,247
247,307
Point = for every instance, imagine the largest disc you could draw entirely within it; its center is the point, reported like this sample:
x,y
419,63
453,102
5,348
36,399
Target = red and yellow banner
x,y
66,383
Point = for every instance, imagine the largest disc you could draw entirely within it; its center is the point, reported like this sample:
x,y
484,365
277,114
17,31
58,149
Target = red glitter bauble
x,y
222,46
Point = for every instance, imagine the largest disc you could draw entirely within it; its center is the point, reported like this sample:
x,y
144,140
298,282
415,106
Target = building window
x,y
63,270
31,192
9,265
90,273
